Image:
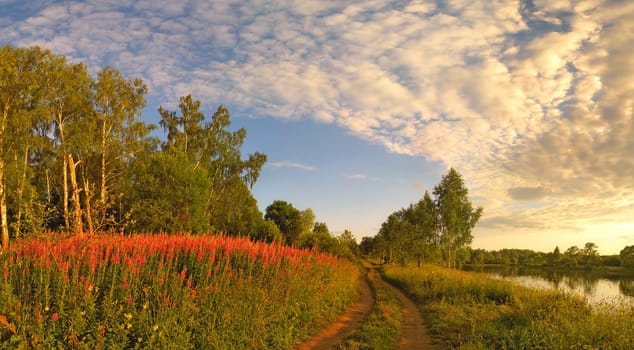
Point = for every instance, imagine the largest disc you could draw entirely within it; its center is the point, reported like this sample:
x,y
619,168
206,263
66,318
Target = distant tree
x,y
590,253
573,251
627,256
287,218
268,231
456,216
367,245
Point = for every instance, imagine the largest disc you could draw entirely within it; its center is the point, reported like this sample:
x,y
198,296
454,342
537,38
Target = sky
x,y
362,105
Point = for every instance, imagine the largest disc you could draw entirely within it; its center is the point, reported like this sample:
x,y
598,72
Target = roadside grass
x,y
471,311
381,328
167,292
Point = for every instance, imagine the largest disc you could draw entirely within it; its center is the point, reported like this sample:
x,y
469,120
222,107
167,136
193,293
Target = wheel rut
x,y
414,334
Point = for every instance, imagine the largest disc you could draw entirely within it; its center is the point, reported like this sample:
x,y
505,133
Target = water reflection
x,y
596,288
627,287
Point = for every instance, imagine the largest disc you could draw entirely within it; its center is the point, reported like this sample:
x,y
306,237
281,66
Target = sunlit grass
x,y
472,311
380,330
167,292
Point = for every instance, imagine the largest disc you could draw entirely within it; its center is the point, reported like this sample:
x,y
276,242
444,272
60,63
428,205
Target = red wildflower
x,y
55,316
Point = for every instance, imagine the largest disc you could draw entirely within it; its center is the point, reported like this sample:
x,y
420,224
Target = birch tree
x,y
17,83
456,216
118,102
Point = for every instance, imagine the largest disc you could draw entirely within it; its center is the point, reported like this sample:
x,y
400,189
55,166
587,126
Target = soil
x,y
346,324
414,333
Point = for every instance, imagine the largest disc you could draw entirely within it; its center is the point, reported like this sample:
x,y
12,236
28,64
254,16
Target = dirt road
x,y
414,333
346,325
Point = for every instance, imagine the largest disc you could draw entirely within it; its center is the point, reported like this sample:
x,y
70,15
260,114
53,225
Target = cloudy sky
x,y
361,105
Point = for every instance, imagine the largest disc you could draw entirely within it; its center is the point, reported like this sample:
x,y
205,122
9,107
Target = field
x,y
160,291
470,311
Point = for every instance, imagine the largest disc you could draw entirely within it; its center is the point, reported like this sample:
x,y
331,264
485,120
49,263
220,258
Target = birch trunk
x,y
4,225
77,224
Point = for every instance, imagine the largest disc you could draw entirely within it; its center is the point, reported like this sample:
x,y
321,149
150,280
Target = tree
x,y
287,218
66,98
170,194
118,102
212,147
627,256
590,253
18,83
456,216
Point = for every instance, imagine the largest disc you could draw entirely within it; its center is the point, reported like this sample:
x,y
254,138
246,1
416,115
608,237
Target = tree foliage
x,y
53,112
433,229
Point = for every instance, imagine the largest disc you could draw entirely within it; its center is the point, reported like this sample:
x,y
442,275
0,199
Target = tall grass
x,y
167,292
471,311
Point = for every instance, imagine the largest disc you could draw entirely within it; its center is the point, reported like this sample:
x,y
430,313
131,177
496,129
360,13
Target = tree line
x,y
75,156
434,229
573,257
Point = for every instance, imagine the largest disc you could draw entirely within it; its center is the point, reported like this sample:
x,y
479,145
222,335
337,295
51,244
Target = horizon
x,y
361,106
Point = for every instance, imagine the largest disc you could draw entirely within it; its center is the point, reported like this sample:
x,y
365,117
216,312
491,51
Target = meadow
x,y
470,311
167,291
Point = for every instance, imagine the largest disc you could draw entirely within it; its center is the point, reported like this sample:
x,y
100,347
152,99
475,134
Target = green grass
x,y
380,330
471,311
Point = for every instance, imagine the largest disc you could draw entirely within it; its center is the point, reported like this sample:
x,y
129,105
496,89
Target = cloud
x,y
528,99
356,177
528,193
290,164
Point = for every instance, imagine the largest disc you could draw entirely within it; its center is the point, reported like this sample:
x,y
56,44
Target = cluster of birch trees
x,y
76,156
433,229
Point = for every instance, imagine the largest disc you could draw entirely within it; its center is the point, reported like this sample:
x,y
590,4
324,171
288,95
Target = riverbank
x,y
598,271
473,311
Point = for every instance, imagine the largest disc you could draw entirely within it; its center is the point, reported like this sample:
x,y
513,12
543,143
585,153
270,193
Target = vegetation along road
x,y
413,333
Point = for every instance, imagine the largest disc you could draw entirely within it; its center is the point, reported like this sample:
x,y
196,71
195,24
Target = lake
x,y
595,288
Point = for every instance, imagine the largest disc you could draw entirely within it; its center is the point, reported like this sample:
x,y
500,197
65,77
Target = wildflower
x,y
155,328
55,316
128,316
125,284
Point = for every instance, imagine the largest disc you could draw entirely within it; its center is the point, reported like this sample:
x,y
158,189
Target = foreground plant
x,y
470,311
160,291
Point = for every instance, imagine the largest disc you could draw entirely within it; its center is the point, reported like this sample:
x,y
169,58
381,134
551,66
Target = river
x,y
597,289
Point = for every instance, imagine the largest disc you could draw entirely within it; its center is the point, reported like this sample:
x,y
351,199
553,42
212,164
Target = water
x,y
597,289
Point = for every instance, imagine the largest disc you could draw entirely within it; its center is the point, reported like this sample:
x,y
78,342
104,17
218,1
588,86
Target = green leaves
x,y
430,227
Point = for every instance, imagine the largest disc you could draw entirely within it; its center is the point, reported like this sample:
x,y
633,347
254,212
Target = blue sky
x,y
361,105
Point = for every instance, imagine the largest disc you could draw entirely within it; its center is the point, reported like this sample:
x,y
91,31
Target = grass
x,y
471,311
380,330
167,292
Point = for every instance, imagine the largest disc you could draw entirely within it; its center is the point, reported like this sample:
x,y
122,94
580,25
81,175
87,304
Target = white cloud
x,y
290,164
528,102
356,176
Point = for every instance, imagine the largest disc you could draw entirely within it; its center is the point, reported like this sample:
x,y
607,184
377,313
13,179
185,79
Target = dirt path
x,y
414,333
346,325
